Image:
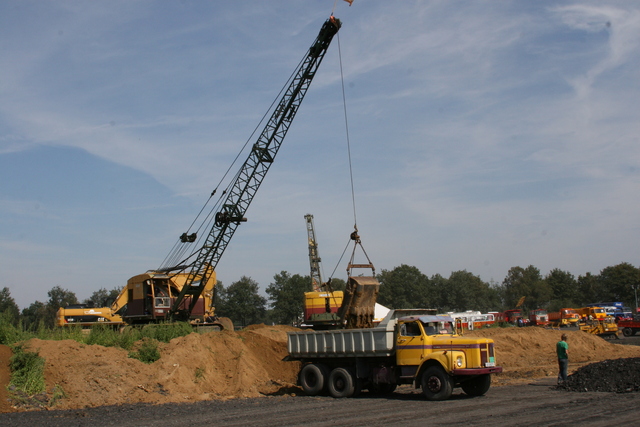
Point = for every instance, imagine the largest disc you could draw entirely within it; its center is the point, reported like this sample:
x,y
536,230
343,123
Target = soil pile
x,y
226,365
530,352
619,376
215,365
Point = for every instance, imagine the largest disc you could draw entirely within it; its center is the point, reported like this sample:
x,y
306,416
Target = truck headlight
x,y
459,361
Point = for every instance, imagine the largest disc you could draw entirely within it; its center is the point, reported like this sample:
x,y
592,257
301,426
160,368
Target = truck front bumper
x,y
478,371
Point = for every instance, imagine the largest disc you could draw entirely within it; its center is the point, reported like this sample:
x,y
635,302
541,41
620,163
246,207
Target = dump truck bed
x,y
365,342
372,342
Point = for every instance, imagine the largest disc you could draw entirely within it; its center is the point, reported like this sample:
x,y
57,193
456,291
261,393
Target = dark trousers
x,y
563,364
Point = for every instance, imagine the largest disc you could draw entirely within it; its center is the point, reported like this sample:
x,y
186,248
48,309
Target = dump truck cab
x,y
433,356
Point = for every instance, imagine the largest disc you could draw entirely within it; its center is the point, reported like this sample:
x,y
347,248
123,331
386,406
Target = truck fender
x,y
445,359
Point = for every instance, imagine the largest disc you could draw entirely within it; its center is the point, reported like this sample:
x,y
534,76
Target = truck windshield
x,y
437,328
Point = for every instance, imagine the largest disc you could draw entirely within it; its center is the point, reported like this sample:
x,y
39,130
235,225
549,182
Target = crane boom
x,y
248,179
314,256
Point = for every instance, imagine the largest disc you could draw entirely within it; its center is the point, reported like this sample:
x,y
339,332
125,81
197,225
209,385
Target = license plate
x,y
489,365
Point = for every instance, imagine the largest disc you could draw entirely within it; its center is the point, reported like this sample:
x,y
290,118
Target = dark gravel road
x,y
535,404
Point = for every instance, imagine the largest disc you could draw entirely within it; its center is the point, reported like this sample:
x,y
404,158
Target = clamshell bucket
x,y
359,302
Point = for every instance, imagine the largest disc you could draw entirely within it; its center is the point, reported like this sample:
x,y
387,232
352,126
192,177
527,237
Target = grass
x,y
103,335
148,351
27,371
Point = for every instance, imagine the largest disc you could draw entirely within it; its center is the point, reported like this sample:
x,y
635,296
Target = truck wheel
x,y
341,383
627,332
477,386
312,378
436,384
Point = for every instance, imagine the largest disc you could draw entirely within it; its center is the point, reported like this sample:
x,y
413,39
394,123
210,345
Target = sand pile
x,y
216,365
527,353
226,365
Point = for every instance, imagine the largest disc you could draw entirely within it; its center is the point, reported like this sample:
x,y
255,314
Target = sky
x,y
479,136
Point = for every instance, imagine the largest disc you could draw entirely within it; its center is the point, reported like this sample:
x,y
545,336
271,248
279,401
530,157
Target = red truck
x,y
629,327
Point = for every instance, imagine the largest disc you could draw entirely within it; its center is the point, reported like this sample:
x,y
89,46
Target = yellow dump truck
x,y
592,313
407,347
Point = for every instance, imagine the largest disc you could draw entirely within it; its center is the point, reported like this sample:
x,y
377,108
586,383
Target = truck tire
x,y
312,378
436,384
341,383
477,386
627,332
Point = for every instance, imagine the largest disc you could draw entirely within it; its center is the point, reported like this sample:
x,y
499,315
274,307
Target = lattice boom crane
x,y
248,179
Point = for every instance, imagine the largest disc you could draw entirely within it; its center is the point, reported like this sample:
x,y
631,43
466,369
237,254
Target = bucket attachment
x,y
359,303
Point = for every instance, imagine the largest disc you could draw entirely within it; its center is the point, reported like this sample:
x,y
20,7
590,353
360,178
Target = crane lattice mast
x,y
314,256
248,179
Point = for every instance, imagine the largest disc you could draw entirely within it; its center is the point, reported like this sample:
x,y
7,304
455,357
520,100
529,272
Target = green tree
x,y
617,282
466,291
405,287
58,297
589,290
564,287
102,297
241,302
337,284
439,292
34,316
286,294
526,282
9,307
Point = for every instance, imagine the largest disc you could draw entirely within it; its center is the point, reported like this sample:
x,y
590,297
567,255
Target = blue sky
x,y
484,135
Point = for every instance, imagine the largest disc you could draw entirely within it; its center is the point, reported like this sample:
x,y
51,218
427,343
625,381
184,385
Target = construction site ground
x,y
239,378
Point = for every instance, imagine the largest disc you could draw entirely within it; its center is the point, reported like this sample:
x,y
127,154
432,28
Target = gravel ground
x,y
540,403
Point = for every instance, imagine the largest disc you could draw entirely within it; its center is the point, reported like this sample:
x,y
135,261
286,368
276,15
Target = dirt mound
x,y
216,365
529,352
5,377
618,376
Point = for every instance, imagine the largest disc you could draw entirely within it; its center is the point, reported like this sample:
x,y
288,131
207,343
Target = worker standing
x,y
562,350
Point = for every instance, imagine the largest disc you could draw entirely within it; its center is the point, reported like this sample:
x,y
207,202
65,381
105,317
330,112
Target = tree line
x,y
402,287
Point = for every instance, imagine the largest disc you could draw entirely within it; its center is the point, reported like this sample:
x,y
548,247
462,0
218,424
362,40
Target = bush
x,y
165,332
103,335
148,351
9,334
27,371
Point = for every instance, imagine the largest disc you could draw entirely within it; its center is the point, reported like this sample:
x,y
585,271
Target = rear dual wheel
x,y
343,383
313,378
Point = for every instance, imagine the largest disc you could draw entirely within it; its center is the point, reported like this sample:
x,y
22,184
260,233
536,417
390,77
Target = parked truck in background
x,y
564,317
615,309
538,317
407,347
629,327
591,313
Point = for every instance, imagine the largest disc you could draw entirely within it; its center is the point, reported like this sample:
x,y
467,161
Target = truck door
x,y
410,344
